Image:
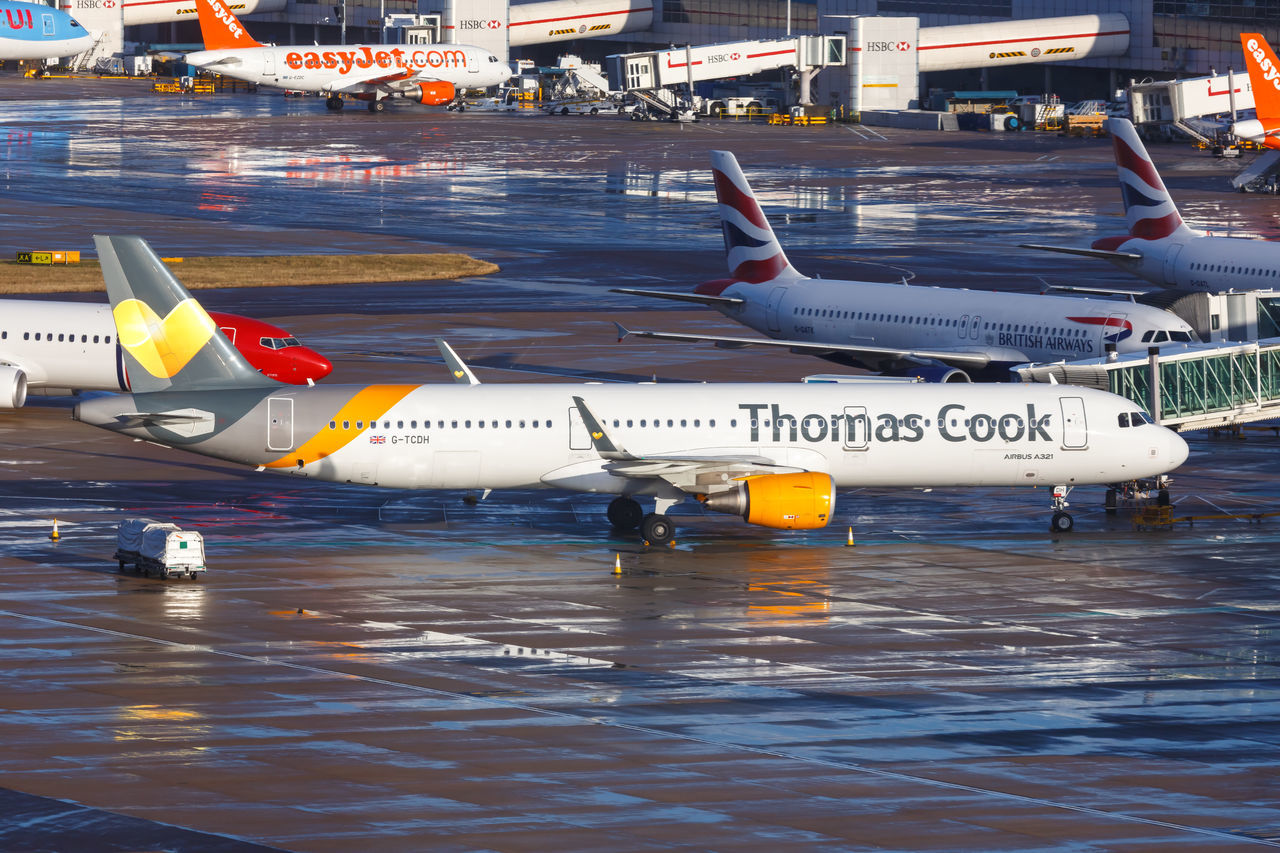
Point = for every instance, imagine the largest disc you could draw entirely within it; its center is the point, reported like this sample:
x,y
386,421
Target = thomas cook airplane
x,y
432,74
937,333
58,348
1163,249
772,453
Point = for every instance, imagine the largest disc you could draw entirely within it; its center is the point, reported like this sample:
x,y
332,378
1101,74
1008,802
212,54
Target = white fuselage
x,y
61,346
330,68
1195,261
523,436
1013,328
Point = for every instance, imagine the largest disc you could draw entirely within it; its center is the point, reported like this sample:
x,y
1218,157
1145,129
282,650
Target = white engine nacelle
x,y
13,387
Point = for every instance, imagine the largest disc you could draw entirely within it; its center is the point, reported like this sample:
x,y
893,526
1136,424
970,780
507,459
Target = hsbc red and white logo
x,y
886,46
473,24
904,45
735,56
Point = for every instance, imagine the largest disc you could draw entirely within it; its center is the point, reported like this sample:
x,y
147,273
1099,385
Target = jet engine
x,y
938,373
436,93
801,501
13,387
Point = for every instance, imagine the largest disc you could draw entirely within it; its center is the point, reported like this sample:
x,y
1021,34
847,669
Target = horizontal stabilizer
x,y
1088,253
681,297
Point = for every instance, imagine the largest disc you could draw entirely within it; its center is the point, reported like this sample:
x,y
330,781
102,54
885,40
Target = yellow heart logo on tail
x,y
597,435
458,373
162,347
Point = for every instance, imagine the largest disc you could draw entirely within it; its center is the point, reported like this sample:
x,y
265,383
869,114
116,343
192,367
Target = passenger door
x,y
771,310
1075,432
857,428
279,423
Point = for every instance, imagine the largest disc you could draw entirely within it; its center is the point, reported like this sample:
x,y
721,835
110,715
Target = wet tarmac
x,y
365,669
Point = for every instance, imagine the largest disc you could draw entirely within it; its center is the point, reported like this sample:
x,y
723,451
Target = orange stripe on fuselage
x,y
367,405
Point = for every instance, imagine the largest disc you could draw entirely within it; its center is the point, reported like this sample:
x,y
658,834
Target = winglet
x,y
169,340
220,28
623,331
600,440
461,373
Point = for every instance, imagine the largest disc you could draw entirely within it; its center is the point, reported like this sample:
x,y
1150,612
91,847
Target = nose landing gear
x,y
1062,522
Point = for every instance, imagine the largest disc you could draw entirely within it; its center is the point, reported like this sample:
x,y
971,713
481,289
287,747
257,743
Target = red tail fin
x,y
1264,75
220,28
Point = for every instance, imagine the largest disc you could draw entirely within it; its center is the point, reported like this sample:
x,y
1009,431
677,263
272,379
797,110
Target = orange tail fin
x,y
220,28
1264,75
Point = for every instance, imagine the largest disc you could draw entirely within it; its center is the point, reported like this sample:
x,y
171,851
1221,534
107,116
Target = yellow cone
x,y
617,564
54,534
849,543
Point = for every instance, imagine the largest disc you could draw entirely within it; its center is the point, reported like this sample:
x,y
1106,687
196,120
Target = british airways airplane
x,y
1163,249
37,31
937,333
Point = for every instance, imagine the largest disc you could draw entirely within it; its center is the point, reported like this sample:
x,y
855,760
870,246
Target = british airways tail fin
x,y
750,246
220,28
1264,76
169,341
1148,207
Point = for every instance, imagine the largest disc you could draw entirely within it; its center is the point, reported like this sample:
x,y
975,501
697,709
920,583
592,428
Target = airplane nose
x,y
1179,450
312,364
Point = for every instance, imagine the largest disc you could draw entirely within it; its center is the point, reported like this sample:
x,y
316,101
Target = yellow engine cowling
x,y
436,93
786,501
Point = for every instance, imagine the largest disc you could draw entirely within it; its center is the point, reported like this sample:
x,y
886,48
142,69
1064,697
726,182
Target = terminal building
x,y
1144,39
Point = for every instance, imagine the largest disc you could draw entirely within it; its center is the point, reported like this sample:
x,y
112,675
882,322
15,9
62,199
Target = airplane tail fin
x,y
170,343
1148,207
220,28
753,252
1264,75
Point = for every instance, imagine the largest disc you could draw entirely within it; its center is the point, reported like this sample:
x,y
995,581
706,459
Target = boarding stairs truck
x,y
580,91
154,547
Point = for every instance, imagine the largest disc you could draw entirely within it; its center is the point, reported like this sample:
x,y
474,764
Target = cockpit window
x,y
279,343
1181,337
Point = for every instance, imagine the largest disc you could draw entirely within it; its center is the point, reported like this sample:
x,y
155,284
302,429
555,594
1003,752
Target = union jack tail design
x,y
750,246
1148,207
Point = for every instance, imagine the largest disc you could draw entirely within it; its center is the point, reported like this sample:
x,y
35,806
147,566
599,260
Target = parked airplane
x,y
1264,75
430,74
938,333
55,348
37,31
1160,247
771,453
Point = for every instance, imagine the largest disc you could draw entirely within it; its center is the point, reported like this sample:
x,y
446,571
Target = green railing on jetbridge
x,y
1202,388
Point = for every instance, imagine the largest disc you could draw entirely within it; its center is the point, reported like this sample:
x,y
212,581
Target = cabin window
x,y
399,424
333,424
107,339
480,424
629,422
414,424
535,424
522,425
670,423
467,424
733,422
508,424
453,424
359,424
711,423
643,422
346,424
683,422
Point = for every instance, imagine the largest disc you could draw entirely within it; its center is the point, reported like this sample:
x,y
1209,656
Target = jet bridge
x,y
643,74
1193,387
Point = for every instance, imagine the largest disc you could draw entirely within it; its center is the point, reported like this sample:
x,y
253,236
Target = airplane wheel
x,y
1062,523
333,103
625,514
377,106
657,529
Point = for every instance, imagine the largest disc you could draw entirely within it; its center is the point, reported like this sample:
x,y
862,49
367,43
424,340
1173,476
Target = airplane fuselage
x,y
1202,262
70,346
37,31
526,436
1013,328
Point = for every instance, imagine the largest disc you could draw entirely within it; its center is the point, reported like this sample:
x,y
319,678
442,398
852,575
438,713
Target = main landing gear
x,y
625,515
1062,522
333,102
377,105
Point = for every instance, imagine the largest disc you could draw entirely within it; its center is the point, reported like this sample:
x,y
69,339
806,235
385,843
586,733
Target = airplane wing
x,y
688,473
959,358
376,77
1101,291
681,297
224,62
1088,253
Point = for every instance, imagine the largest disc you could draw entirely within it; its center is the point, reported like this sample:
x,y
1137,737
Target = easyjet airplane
x,y
1160,247
430,74
56,348
1264,76
937,333
772,453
